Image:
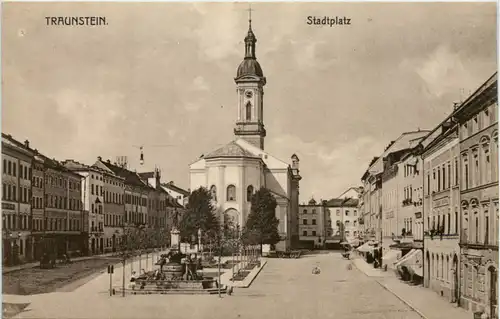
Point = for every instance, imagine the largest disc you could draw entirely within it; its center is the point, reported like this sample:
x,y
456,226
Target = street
x,y
284,289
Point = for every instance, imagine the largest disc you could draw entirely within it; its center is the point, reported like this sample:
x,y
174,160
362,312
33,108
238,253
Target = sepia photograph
x,y
333,160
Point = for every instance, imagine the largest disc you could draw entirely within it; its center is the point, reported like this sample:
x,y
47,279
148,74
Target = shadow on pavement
x,y
10,310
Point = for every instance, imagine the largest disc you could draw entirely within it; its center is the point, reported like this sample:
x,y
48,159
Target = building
x,y
342,220
235,171
402,198
440,153
352,192
136,193
162,207
180,195
378,225
17,161
477,118
311,224
114,210
62,233
92,197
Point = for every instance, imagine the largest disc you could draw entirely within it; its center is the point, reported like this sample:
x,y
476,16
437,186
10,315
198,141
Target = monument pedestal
x,y
174,238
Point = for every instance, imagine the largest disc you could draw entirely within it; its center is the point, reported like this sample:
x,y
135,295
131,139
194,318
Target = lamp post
x,y
199,240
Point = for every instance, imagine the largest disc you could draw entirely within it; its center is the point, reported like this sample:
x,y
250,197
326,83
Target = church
x,y
235,171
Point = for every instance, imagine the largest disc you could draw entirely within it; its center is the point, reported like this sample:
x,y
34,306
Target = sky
x,y
161,75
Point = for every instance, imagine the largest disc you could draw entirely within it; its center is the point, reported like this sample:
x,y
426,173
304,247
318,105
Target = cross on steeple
x,y
250,15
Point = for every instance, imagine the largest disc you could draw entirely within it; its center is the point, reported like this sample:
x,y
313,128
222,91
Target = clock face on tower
x,y
248,94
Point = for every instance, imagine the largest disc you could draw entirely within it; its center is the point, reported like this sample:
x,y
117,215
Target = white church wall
x,y
277,181
197,179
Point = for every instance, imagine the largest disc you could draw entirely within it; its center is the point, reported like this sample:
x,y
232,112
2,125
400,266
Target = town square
x,y
207,160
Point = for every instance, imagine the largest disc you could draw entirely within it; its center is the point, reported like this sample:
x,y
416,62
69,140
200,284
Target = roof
x,y
170,185
231,150
146,175
341,202
56,165
131,178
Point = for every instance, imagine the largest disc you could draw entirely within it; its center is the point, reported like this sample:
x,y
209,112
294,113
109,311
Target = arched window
x,y
347,224
231,193
249,193
486,160
213,192
477,229
248,110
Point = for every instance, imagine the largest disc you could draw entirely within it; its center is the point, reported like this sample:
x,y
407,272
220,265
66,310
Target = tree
x,y
200,214
262,224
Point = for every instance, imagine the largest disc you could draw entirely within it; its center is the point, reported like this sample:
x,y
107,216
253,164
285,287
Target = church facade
x,y
234,172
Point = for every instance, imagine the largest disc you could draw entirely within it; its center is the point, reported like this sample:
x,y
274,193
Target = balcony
x,y
96,230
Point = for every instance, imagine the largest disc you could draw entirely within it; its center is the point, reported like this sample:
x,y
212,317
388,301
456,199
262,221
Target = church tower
x,y
250,83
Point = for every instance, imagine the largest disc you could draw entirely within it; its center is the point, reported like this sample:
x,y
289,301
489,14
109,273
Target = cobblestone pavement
x,y
284,289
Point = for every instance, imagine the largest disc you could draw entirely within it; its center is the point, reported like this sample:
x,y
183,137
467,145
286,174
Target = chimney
x,y
27,144
109,162
99,158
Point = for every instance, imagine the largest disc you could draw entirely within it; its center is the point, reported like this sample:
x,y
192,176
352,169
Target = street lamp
x,y
199,240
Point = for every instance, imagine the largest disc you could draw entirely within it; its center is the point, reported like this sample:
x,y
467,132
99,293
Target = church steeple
x,y
250,39
250,83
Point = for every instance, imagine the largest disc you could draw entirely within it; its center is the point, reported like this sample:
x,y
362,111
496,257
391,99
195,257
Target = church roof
x,y
249,67
231,149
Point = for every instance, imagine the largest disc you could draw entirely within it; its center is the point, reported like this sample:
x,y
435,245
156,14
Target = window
x,y
338,212
213,192
456,222
9,168
248,110
249,193
428,184
355,213
92,189
449,224
487,233
314,221
347,213
456,171
439,180
304,233
304,222
304,211
4,166
314,210
314,233
14,165
231,193
477,230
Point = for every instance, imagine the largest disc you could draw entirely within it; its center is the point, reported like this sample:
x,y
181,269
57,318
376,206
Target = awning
x,y
416,270
412,259
332,241
391,257
365,248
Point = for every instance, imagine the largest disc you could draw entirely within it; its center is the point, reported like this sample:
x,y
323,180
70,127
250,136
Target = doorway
x,y
493,276
456,284
427,278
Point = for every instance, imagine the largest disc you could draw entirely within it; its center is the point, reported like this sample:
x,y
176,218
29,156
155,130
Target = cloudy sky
x,y
162,75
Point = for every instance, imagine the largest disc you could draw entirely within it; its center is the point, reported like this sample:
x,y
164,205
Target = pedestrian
x,y
133,279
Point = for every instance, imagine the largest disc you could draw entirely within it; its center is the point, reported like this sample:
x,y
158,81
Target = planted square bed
x,y
241,275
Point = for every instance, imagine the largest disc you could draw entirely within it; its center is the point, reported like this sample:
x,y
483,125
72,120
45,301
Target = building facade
x,y
17,161
181,195
377,199
63,216
440,153
478,129
114,210
311,224
92,198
